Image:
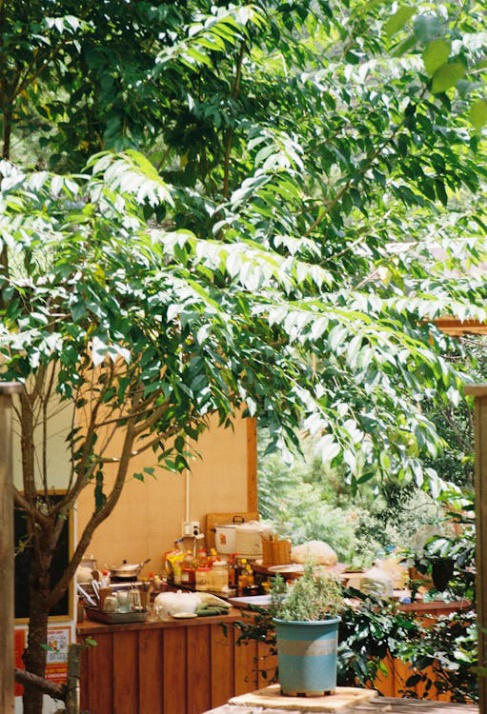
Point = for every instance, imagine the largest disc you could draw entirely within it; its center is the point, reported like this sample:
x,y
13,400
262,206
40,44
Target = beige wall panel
x,y
59,424
149,515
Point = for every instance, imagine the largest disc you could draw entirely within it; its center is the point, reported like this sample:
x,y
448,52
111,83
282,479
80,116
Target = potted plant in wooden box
x,y
305,615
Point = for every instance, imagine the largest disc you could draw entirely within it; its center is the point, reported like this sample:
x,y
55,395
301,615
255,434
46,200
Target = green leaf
x,y
404,47
47,648
100,497
397,21
447,76
478,114
427,28
435,55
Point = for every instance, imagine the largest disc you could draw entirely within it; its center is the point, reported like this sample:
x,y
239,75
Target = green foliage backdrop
x,y
297,193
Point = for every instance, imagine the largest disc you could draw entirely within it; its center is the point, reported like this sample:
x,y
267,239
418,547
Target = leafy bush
x,y
369,630
314,596
443,653
445,658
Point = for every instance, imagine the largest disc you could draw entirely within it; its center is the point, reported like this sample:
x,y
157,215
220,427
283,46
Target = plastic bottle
x,y
188,570
202,558
219,576
177,571
202,578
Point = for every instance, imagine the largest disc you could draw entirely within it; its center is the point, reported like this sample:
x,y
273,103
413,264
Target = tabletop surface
x,y
381,705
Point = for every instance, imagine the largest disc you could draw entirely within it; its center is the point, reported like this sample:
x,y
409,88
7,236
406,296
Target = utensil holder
x,y
276,552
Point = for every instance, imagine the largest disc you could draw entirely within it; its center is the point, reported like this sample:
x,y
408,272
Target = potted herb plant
x,y
306,618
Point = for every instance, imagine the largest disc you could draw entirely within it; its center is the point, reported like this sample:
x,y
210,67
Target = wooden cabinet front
x,y
166,668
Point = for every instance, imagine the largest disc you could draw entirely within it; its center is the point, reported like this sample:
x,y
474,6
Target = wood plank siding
x,y
167,668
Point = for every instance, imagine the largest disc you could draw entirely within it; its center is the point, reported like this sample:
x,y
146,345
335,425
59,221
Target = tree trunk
x,y
35,655
7,131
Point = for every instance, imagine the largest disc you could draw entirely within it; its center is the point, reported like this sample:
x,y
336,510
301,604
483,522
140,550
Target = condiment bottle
x,y
212,557
188,570
250,586
202,558
242,577
202,578
219,576
177,571
233,571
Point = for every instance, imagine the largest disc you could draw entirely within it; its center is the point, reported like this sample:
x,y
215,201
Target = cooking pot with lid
x,y
225,536
127,571
248,538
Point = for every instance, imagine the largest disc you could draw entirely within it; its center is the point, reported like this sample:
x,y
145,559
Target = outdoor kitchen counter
x,y
92,627
170,667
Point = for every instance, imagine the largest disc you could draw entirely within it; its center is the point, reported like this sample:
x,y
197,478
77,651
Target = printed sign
x,y
58,640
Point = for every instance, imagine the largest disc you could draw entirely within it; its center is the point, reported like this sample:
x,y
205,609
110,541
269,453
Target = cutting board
x,y
271,698
218,519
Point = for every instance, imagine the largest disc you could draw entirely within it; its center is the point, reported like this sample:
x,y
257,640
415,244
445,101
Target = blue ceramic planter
x,y
307,655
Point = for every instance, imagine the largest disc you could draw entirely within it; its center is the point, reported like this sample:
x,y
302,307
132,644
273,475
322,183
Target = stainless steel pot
x,y
127,571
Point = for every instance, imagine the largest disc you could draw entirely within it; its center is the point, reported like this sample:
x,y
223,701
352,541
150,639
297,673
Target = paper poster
x,y
20,639
58,640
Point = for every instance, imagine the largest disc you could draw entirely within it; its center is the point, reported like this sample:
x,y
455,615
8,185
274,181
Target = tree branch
x,y
97,517
26,506
56,691
229,131
150,421
329,205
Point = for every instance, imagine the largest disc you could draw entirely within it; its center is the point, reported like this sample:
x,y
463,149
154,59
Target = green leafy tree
x,y
313,183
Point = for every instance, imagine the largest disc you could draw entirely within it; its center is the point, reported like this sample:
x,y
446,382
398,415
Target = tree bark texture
x,y
480,394
35,654
6,552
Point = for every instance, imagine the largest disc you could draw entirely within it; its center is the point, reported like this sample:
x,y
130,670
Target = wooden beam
x,y
456,328
6,551
479,391
252,499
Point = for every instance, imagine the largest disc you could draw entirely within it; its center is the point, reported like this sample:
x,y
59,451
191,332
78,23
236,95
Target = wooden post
x,y
6,551
479,391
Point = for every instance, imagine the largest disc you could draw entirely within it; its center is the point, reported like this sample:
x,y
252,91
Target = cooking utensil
x,y
225,536
84,594
127,571
248,538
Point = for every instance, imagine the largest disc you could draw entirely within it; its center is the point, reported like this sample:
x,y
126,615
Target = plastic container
x,y
307,655
219,576
203,578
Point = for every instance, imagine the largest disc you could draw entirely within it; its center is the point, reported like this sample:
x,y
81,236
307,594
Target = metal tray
x,y
115,618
